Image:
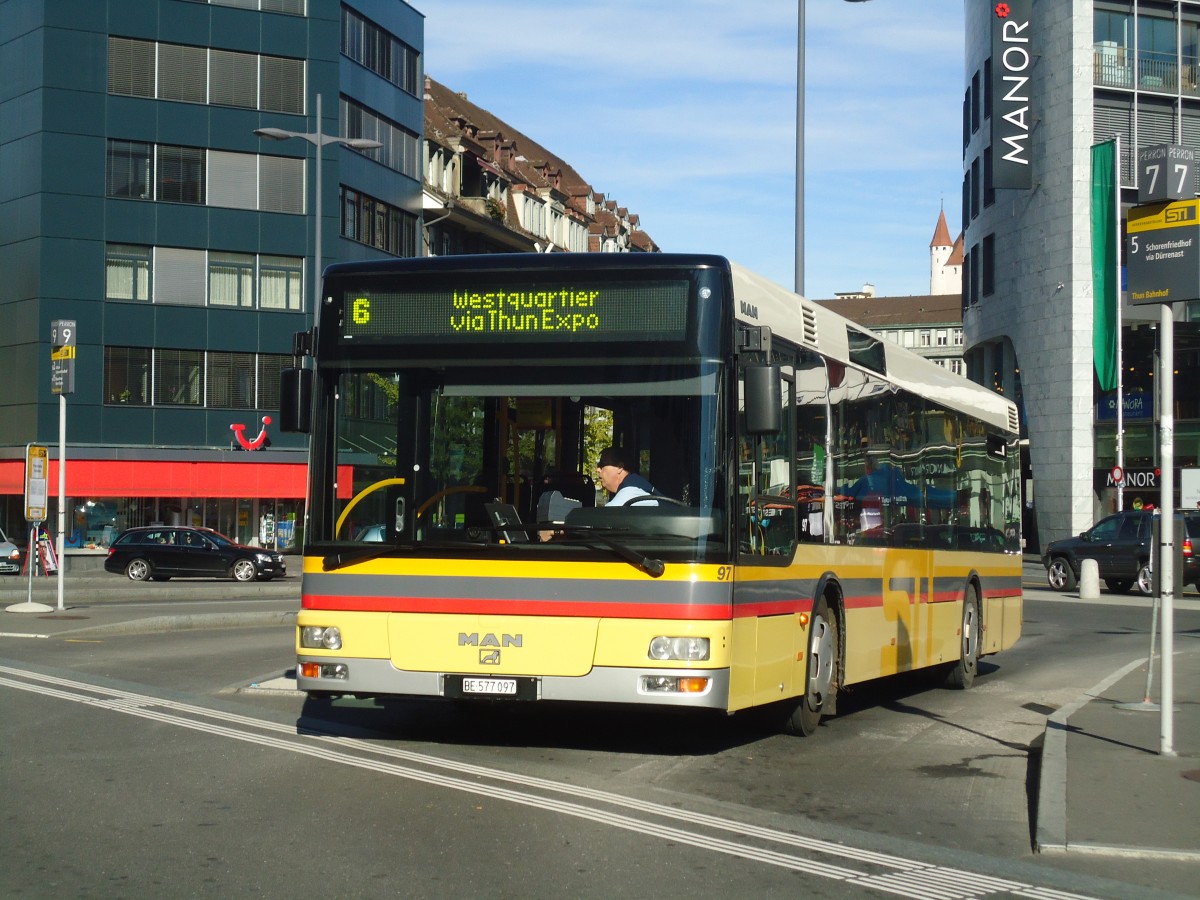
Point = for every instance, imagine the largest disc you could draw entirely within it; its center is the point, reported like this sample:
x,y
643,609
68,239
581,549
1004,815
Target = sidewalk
x,y
102,604
1105,787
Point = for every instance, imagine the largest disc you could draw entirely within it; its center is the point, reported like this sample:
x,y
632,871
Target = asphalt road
x,y
144,764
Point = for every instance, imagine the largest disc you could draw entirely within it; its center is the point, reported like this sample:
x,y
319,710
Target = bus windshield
x,y
502,459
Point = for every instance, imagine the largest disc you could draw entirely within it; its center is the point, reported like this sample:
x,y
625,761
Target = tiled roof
x,y
896,312
452,120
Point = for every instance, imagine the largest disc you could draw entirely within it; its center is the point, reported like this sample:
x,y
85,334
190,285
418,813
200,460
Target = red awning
x,y
161,478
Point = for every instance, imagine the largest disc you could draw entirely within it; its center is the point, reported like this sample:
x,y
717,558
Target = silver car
x,y
10,556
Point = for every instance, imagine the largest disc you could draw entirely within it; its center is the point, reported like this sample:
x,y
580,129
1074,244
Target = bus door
x,y
766,643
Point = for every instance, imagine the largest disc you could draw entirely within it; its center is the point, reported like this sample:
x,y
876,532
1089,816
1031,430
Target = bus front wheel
x,y
820,673
962,675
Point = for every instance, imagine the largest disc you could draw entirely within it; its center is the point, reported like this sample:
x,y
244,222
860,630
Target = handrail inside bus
x,y
369,489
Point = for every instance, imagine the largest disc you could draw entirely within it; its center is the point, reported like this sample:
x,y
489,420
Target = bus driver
x,y
622,484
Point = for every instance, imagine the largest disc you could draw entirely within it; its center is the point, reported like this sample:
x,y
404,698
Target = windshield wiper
x,y
342,558
585,535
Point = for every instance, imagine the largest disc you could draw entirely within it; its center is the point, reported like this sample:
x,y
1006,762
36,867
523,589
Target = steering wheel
x,y
646,499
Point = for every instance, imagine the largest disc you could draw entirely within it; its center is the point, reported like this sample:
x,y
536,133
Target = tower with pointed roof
x,y
945,260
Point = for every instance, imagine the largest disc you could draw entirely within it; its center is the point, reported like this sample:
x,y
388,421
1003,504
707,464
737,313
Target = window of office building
x,y
233,78
281,283
281,184
127,271
293,7
127,375
1112,116
140,68
230,279
401,148
130,67
182,73
282,84
178,377
230,380
233,179
378,50
381,225
269,367
180,276
222,379
129,169
180,174
1157,63
988,265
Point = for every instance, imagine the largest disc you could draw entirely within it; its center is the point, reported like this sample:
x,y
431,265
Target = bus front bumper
x,y
689,688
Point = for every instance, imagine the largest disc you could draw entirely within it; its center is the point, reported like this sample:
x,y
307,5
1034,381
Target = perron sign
x,y
1012,114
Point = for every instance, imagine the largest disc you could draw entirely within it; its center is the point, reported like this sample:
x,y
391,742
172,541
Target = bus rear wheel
x,y
820,673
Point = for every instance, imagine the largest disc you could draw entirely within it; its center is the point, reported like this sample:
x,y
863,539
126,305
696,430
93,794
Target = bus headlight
x,y
316,637
693,649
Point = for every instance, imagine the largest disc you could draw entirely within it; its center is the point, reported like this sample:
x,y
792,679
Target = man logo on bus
x,y
489,657
489,640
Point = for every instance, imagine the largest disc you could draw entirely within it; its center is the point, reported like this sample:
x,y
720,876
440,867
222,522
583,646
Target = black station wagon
x,y
161,552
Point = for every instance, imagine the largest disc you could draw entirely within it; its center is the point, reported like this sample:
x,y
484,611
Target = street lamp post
x,y
319,140
800,143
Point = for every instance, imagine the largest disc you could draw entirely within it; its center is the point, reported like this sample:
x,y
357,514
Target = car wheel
x,y
1118,585
244,570
137,569
1060,575
1145,580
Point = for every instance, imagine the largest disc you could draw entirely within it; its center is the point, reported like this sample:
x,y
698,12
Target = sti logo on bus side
x,y
1179,214
490,640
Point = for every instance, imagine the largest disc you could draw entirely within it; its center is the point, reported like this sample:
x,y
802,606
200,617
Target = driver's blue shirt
x,y
633,485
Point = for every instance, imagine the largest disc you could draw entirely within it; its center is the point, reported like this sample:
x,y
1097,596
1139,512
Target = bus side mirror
x,y
764,400
295,400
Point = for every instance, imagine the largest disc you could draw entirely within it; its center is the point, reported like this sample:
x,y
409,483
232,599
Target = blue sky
x,y
684,112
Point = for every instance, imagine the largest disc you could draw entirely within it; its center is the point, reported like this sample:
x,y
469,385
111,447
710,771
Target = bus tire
x,y
962,676
820,673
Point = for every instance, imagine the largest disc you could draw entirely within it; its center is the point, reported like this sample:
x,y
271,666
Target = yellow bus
x,y
825,507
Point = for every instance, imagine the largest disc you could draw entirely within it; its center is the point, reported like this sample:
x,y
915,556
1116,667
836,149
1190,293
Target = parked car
x,y
371,533
10,556
162,552
1120,544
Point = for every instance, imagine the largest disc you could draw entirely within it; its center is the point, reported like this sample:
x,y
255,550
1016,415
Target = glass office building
x,y
137,201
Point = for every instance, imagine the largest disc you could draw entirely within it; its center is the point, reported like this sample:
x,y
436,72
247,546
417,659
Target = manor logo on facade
x,y
1012,115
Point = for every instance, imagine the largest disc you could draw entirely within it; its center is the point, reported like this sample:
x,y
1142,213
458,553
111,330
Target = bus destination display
x,y
631,311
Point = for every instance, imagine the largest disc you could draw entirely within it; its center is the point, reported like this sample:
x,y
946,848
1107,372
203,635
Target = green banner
x,y
1105,297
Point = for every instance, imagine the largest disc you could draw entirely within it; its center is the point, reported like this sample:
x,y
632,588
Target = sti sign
x,y
1012,114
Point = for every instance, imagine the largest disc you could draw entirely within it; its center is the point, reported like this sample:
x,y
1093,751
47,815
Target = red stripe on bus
x,y
482,606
